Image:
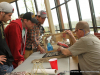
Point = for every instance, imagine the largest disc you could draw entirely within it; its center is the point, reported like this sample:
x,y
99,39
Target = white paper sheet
x,y
48,71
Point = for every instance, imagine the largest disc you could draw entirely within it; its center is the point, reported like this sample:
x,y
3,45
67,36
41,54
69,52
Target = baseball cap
x,y
30,16
42,13
6,7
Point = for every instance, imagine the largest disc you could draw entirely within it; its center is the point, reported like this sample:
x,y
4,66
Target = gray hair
x,y
83,25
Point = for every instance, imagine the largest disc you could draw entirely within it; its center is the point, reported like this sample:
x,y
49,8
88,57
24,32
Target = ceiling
x,y
7,0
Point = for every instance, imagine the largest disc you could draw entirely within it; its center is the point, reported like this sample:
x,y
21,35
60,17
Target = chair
x,y
97,34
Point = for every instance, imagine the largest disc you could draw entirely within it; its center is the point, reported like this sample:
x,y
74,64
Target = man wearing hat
x,y
15,34
6,57
34,43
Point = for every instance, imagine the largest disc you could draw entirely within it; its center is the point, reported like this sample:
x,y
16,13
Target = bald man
x,y
87,48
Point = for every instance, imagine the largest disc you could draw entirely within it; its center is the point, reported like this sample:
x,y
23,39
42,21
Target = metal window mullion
x,y
60,4
36,6
25,5
78,10
58,15
93,16
17,7
68,15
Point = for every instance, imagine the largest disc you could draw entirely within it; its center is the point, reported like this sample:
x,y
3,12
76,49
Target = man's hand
x,y
42,51
69,32
2,59
20,62
64,51
59,48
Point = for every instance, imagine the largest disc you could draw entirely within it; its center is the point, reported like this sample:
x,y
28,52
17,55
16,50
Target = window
x,y
97,12
21,6
85,11
64,15
40,4
91,31
31,6
54,14
61,1
15,14
73,12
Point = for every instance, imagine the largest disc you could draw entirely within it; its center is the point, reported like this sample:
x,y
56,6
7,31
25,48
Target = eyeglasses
x,y
77,30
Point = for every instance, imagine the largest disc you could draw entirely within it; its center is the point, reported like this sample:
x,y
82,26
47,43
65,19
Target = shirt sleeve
x,y
78,48
35,35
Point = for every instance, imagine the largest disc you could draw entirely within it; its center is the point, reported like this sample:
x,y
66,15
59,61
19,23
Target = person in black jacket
x,y
6,57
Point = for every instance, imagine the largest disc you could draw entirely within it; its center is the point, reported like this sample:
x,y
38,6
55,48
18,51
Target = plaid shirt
x,y
33,37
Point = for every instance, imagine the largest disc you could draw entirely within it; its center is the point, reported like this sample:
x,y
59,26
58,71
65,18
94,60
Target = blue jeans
x,y
5,69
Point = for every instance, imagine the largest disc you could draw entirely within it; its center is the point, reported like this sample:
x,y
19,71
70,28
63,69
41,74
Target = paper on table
x,y
48,71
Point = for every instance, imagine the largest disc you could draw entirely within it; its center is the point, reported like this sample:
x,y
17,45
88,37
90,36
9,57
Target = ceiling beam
x,y
7,1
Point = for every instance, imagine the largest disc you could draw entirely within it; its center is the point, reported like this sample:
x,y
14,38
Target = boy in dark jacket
x,y
6,57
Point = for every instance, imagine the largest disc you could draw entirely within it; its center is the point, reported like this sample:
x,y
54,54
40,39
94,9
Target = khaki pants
x,y
28,53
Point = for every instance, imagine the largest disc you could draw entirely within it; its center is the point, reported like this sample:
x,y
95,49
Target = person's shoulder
x,y
16,22
89,38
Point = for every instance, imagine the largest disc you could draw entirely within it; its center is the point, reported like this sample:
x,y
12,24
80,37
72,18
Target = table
x,y
74,63
63,64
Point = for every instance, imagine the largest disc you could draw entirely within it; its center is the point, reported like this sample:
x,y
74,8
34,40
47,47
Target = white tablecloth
x,y
63,64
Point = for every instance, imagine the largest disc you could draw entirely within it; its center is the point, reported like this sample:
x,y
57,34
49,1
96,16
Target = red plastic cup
x,y
53,63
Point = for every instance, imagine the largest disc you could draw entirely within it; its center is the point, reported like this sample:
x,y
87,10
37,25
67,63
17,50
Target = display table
x,y
74,63
63,64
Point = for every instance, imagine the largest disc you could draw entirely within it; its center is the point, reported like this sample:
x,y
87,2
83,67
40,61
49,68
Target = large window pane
x,y
73,12
15,14
55,19
64,15
91,31
98,30
41,5
31,6
21,6
61,1
52,4
54,15
85,11
97,12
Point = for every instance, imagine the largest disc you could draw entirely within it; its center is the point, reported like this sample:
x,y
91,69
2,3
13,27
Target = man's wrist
x,y
62,48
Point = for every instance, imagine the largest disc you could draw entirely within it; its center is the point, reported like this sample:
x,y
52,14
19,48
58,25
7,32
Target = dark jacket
x,y
4,49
